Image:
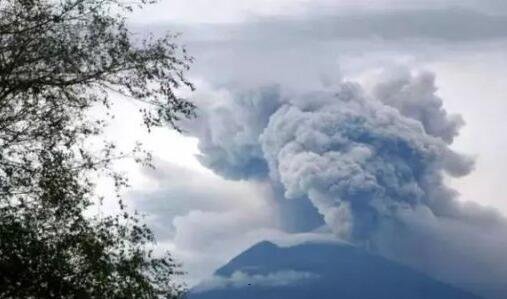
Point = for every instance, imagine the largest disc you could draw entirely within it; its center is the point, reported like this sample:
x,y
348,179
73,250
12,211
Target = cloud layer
x,y
229,11
240,279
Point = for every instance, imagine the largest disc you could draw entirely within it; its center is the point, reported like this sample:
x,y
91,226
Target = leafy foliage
x,y
58,59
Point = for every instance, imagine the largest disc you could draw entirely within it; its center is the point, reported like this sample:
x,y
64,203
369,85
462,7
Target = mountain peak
x,y
319,270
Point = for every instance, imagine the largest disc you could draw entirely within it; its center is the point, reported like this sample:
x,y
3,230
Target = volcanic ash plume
x,y
372,165
358,160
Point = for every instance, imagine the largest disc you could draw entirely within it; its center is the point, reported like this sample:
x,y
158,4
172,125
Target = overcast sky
x,y
306,45
227,11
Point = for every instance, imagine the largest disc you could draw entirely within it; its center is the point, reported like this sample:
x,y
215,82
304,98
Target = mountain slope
x,y
324,271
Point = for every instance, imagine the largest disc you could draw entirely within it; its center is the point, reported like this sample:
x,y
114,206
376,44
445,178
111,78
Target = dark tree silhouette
x,y
58,59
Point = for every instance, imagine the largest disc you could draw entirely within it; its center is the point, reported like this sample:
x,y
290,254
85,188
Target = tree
x,y
58,59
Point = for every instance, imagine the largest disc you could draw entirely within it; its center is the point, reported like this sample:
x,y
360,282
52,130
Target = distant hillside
x,y
319,271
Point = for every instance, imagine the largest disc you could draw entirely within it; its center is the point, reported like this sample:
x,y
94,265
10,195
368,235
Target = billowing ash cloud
x,y
372,164
357,159
229,133
414,97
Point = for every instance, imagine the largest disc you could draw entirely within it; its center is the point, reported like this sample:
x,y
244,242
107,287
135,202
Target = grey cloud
x,y
414,97
179,192
226,11
498,7
454,24
308,49
228,133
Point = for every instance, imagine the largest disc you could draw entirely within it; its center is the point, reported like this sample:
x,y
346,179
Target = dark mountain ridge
x,y
320,270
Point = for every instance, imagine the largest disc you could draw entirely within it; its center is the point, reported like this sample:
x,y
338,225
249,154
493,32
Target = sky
x,y
230,11
436,68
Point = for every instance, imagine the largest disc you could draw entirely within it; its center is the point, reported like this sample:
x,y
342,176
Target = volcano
x,y
320,270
